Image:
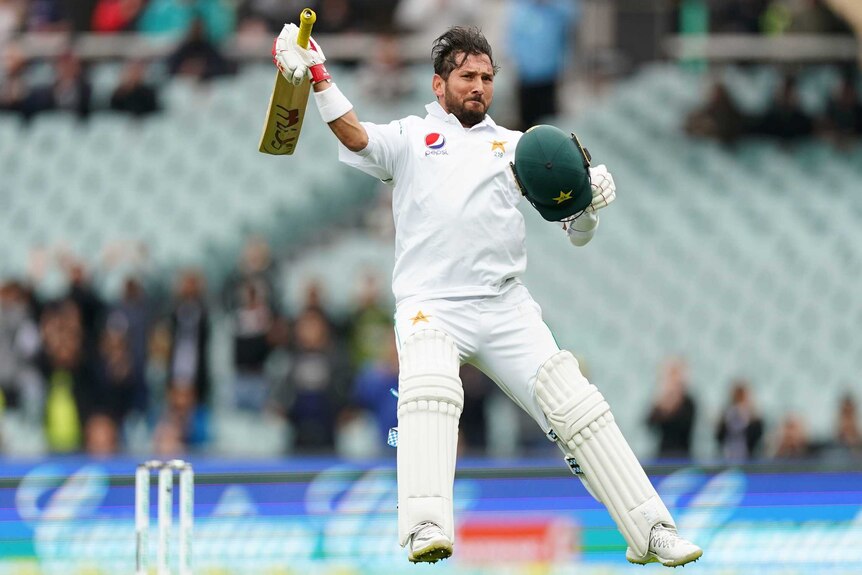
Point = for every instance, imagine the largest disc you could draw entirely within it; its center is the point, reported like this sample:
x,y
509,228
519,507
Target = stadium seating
x,y
744,261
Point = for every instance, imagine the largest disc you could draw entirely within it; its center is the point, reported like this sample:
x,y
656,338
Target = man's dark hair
x,y
451,49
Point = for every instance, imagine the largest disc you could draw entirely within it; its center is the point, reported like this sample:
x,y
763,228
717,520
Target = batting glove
x,y
603,187
295,62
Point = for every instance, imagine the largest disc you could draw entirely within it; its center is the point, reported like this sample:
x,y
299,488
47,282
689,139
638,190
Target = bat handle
x,y
306,21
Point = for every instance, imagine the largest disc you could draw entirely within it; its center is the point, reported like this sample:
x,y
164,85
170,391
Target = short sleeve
x,y
386,148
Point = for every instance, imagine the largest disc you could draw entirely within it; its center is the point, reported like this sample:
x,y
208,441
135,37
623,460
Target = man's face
x,y
468,91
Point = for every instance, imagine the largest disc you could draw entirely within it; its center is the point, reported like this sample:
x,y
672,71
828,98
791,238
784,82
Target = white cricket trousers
x,y
502,335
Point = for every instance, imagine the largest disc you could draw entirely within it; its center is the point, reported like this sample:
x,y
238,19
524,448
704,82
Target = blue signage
x,y
298,516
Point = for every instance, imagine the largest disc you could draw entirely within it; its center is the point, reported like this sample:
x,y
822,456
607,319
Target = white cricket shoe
x,y
668,548
428,544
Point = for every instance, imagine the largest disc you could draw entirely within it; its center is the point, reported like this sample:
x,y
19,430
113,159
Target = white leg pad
x,y
430,401
582,420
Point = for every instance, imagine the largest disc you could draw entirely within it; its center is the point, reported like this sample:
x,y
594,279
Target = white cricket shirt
x,y
458,231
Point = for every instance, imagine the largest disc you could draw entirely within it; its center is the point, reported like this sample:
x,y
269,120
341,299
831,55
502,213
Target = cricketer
x,y
459,256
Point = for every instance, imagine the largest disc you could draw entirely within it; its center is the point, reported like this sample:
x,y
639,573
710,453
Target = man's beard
x,y
467,116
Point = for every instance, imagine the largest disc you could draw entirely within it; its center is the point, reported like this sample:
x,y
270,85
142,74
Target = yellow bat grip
x,y
306,20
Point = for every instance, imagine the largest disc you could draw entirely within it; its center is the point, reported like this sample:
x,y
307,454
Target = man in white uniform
x,y
459,258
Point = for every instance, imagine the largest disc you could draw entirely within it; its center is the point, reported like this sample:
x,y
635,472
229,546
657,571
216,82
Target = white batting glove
x,y
604,188
295,62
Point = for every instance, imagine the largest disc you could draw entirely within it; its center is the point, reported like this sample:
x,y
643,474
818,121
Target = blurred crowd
x,y
784,119
199,30
762,16
222,17
87,370
742,432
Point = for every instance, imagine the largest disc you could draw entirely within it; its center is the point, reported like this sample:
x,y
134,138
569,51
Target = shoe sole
x,y
432,554
653,558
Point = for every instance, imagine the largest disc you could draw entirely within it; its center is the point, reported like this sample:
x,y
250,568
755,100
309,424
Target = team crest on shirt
x,y
435,144
498,148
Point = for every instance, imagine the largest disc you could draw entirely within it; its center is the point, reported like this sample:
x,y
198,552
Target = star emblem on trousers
x,y
420,317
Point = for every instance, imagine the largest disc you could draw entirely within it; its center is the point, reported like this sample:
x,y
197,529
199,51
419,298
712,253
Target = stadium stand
x,y
744,272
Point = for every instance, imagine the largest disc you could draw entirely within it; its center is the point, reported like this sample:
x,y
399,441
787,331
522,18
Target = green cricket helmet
x,y
552,170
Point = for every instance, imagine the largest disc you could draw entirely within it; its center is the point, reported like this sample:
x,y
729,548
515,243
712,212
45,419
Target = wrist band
x,y
319,73
332,104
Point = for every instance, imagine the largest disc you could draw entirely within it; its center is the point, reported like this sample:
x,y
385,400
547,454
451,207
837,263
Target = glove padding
x,y
292,60
603,187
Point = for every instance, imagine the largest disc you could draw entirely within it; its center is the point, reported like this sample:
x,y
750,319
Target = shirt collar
x,y
437,111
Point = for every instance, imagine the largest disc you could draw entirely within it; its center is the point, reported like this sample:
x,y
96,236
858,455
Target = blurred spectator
x,y
738,16
198,57
11,19
184,423
70,91
134,95
312,300
45,16
843,116
792,441
168,439
472,435
372,389
673,411
384,76
254,319
111,16
159,352
316,385
719,118
20,384
133,315
539,32
335,16
847,433
801,17
276,13
14,90
188,374
117,382
101,436
78,14
740,429
250,299
785,119
89,304
381,16
370,325
70,393
216,18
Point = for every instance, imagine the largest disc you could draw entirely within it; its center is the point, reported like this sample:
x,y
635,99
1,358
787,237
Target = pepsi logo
x,y
435,141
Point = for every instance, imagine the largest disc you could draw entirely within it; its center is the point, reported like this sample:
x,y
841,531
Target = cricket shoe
x,y
428,544
666,547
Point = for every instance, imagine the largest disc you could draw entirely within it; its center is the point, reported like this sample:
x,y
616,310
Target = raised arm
x,y
346,127
296,63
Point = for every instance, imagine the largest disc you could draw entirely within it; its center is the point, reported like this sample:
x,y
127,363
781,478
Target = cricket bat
x,y
287,103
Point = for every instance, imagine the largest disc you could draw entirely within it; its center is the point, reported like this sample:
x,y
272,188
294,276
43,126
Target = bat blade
x,y
286,109
284,117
